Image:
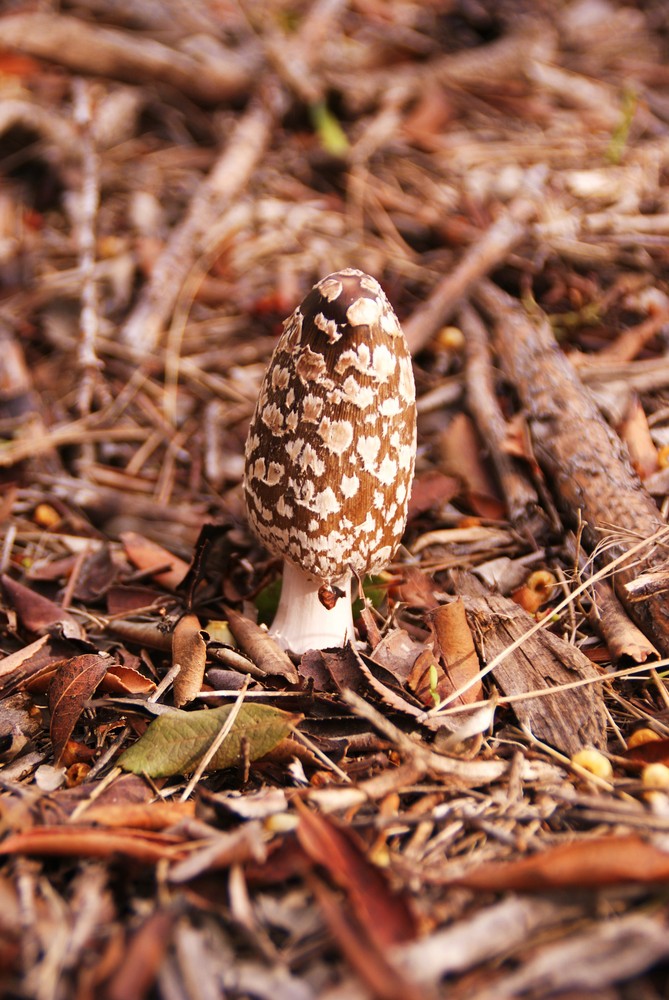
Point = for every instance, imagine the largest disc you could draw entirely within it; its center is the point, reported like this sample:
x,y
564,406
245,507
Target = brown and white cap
x,y
331,447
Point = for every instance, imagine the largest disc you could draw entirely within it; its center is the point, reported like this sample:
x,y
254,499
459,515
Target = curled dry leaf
x,y
126,680
261,648
162,566
189,650
455,645
357,942
143,957
584,863
384,913
636,434
73,684
461,454
38,614
157,815
91,842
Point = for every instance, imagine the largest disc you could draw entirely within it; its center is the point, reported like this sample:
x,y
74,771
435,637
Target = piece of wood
x,y
585,461
481,257
226,181
568,720
521,498
624,640
122,55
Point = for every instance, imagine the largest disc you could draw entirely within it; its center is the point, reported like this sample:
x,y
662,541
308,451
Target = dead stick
x,y
122,55
582,456
482,257
228,178
521,498
607,616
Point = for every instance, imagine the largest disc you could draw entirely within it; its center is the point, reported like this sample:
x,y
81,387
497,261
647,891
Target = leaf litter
x,y
185,810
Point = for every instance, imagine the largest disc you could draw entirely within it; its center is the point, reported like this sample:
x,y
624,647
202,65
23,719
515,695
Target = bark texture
x,y
583,458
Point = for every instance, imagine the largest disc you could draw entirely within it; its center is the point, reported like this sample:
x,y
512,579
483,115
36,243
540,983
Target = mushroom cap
x,y
331,447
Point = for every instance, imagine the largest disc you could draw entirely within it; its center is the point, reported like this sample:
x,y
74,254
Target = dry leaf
x,y
73,684
636,434
261,648
139,815
162,566
38,614
461,456
584,863
189,650
431,489
92,842
142,958
362,949
454,642
382,912
126,680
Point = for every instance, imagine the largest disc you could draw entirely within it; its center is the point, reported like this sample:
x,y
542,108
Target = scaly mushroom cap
x,y
331,447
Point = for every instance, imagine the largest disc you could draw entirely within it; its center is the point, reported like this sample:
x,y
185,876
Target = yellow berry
x,y
641,736
594,762
451,338
655,776
45,516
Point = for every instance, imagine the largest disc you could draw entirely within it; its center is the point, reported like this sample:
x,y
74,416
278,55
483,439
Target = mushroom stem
x,y
302,622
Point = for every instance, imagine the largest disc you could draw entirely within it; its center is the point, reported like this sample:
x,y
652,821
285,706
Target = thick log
x,y
582,457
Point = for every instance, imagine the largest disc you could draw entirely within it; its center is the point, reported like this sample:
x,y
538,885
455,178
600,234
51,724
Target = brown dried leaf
x,y
23,658
397,653
73,684
416,589
96,576
362,950
126,598
38,614
431,489
91,842
583,863
330,670
162,566
652,752
189,650
454,642
261,648
635,433
142,958
383,913
126,680
18,725
461,456
388,695
140,815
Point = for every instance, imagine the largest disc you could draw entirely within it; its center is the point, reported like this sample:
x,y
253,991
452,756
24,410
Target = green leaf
x,y
375,590
331,134
176,742
267,601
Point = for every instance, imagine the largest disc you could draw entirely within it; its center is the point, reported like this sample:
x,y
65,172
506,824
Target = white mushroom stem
x,y
302,622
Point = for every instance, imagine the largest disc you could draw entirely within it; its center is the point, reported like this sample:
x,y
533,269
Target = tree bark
x,y
582,457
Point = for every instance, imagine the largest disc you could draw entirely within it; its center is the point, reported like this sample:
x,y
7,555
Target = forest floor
x,y
473,800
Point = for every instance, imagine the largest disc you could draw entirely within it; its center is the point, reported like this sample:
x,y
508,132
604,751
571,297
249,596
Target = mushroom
x,y
330,454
